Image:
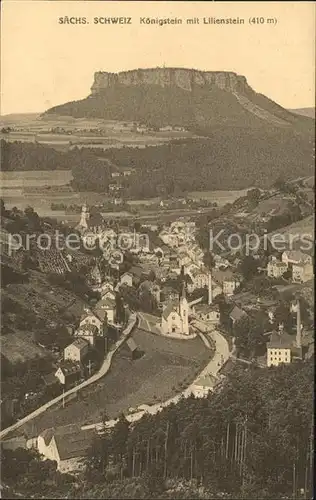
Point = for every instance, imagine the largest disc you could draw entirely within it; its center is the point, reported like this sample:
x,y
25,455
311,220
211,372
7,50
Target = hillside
x,y
250,439
249,140
310,112
177,96
42,299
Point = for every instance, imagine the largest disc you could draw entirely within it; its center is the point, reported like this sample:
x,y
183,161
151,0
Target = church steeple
x,y
85,215
183,294
184,310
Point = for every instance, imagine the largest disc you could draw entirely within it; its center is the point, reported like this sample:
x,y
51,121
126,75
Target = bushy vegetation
x,y
251,439
24,470
157,106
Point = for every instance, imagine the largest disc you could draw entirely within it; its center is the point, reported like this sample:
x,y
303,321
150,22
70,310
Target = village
x,y
172,289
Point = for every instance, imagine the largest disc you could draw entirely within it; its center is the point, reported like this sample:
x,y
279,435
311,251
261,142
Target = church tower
x,y
184,311
210,289
299,328
105,331
85,215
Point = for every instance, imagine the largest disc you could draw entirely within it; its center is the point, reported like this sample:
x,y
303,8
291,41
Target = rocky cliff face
x,y
185,79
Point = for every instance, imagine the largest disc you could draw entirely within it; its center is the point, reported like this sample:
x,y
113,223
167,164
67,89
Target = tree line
x,y
252,438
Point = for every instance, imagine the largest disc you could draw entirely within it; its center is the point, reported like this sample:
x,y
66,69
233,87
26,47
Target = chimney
x,y
210,290
298,326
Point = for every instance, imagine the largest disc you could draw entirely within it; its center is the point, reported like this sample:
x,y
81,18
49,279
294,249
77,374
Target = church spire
x,y
183,290
84,216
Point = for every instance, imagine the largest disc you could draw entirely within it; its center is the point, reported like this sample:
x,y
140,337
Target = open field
x,y
16,190
81,132
38,299
34,178
156,376
19,347
220,197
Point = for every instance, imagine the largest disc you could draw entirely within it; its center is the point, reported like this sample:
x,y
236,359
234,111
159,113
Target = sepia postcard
x,y
157,249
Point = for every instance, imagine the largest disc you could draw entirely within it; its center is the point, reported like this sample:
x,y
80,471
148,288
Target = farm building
x,y
67,445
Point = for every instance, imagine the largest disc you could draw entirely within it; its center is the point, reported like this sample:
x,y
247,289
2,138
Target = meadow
x,y
165,369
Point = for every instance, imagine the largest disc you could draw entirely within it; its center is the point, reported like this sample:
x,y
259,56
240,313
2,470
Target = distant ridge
x,y
14,117
310,112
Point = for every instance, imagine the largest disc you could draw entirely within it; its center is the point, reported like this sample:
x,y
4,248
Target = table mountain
x,y
179,96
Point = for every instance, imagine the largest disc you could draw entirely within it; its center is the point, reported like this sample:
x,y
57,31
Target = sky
x,y
44,63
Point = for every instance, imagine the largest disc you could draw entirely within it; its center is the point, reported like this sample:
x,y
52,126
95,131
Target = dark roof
x,y
49,379
148,285
102,313
80,343
136,271
68,367
86,329
95,220
47,435
237,313
165,249
87,314
131,344
282,340
71,441
172,306
206,308
221,275
105,301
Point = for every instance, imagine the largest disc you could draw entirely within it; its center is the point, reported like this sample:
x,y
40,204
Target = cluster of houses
x,y
145,129
173,250
91,333
165,254
122,173
299,265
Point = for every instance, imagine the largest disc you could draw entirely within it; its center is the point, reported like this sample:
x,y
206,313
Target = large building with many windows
x,y
279,349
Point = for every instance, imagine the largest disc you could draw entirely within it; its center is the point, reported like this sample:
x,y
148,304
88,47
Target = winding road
x,y
222,354
103,370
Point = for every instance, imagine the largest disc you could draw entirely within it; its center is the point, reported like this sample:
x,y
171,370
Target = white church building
x,y
175,317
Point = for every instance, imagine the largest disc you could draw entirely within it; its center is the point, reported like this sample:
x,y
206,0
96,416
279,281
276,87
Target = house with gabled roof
x,y
228,279
67,445
90,318
291,257
236,314
108,294
207,312
106,307
199,278
125,279
88,332
68,372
